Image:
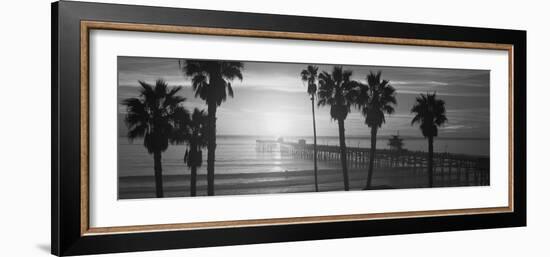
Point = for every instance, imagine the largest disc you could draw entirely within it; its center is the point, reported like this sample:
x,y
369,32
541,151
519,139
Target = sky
x,y
272,100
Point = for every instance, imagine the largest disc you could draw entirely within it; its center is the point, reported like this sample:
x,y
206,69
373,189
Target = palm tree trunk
x,y
373,132
192,161
314,143
211,147
158,174
193,180
430,161
343,153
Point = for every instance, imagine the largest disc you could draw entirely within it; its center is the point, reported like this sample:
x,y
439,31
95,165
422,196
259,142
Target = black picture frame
x,y
66,235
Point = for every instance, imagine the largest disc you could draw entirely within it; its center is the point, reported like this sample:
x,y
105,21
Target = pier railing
x,y
448,167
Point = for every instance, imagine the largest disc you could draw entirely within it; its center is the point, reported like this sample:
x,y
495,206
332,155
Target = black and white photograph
x,y
197,127
275,128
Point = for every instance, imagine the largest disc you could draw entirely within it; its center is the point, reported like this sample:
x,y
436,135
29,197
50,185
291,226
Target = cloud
x,y
427,83
455,127
276,89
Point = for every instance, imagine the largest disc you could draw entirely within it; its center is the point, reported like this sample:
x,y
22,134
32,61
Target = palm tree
x,y
337,89
430,114
191,129
211,82
152,117
375,98
309,75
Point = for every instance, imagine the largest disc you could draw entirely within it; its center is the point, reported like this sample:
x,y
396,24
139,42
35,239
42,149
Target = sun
x,y
276,124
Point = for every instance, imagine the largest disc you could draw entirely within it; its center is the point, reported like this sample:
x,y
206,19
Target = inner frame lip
x,y
86,26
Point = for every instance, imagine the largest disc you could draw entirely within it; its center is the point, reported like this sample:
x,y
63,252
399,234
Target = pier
x,y
449,169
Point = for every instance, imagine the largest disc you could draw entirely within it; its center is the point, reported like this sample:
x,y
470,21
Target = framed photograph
x,y
178,128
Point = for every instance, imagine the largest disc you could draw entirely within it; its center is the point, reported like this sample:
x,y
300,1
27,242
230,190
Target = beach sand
x,y
135,187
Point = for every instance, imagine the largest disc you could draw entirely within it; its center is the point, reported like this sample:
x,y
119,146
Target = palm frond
x,y
229,89
211,79
375,98
156,115
429,113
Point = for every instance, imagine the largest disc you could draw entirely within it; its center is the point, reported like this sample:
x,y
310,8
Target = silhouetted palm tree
x,y
430,114
336,89
191,129
151,116
211,82
375,98
309,75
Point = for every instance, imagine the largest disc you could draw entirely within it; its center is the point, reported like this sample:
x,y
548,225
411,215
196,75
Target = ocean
x,y
237,154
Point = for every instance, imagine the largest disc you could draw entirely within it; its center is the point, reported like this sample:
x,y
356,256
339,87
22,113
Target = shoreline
x,y
135,187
